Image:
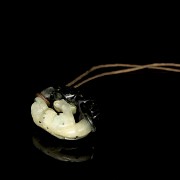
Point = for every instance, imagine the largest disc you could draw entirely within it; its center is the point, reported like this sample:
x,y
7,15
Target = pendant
x,y
64,113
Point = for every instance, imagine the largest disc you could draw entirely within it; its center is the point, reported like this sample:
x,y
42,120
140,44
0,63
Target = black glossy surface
x,y
137,130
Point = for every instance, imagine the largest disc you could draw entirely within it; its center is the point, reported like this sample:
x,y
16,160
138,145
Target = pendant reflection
x,y
74,151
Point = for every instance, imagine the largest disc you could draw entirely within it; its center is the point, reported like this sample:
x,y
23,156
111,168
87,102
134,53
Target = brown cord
x,y
130,68
41,96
